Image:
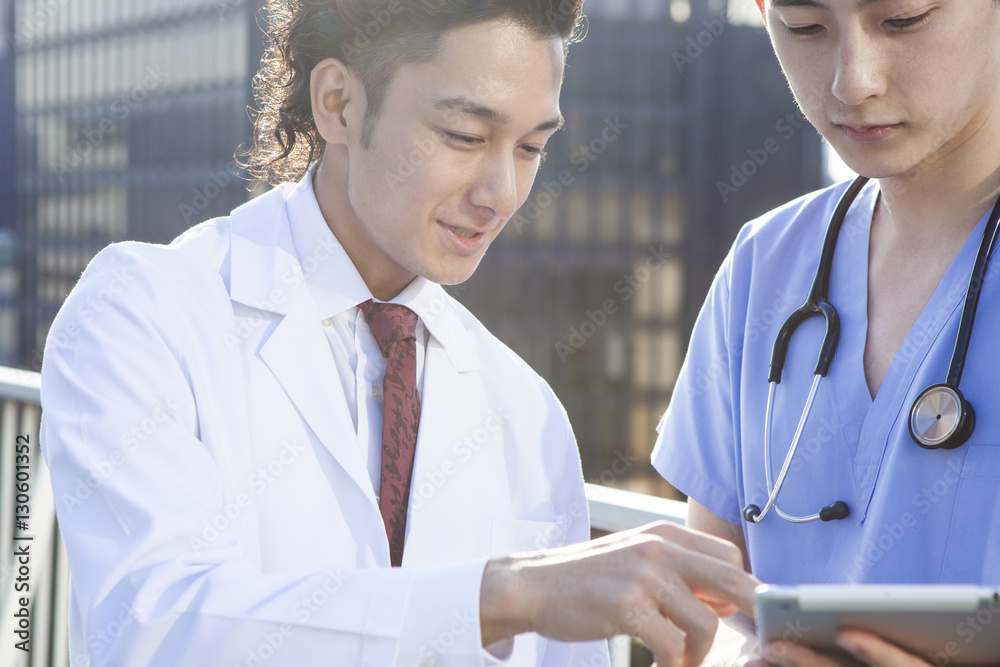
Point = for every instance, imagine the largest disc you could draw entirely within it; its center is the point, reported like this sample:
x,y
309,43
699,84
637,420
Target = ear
x,y
338,102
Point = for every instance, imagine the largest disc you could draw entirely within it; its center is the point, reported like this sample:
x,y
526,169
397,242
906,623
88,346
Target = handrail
x,y
20,391
21,386
614,509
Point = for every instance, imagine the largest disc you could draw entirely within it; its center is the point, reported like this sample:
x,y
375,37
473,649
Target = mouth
x,y
465,242
867,133
464,233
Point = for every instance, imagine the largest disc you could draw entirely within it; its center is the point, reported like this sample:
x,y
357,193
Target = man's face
x,y
896,86
453,155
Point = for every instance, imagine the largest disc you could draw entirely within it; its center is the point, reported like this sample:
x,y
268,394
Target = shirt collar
x,y
336,286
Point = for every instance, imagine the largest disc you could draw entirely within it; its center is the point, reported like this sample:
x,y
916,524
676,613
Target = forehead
x,y
495,64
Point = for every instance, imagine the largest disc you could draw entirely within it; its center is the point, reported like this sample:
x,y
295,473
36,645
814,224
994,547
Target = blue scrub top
x,y
916,515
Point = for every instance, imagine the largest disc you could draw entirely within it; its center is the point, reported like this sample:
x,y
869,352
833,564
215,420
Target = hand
x,y
662,583
865,647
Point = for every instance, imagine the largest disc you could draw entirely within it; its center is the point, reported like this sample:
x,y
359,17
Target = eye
x,y
804,31
461,140
535,151
908,23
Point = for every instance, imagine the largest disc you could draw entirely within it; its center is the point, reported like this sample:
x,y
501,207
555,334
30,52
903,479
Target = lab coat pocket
x,y
973,551
510,535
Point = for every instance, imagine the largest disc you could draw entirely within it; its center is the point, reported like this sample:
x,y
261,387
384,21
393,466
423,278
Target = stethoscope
x,y
940,417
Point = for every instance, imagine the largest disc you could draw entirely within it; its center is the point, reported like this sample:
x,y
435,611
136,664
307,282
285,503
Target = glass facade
x,y
127,118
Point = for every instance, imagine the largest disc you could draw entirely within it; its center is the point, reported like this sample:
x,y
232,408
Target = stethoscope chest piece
x,y
941,418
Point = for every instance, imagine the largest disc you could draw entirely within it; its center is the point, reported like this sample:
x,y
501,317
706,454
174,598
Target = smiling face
x,y
896,86
454,154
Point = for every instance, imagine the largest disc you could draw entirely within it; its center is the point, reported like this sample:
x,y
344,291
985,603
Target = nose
x,y
495,187
859,73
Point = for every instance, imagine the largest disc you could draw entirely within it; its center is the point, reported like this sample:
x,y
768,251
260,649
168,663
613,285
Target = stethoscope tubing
x,y
818,303
986,247
774,488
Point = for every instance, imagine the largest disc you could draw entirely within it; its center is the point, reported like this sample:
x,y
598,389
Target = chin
x,y
873,167
451,276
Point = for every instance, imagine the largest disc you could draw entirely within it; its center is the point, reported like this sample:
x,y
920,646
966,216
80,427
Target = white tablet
x,y
953,626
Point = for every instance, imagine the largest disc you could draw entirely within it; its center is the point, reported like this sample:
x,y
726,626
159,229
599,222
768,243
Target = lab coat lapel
x,y
299,356
460,474
265,274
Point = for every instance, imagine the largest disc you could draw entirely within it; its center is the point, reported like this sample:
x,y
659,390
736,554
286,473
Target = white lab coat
x,y
211,488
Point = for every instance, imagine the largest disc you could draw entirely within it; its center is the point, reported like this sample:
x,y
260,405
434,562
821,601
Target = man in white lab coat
x,y
213,408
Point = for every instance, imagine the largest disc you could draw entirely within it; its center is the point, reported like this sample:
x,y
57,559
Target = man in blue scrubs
x,y
908,93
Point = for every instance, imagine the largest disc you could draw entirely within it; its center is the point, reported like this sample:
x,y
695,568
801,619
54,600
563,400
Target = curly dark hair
x,y
373,38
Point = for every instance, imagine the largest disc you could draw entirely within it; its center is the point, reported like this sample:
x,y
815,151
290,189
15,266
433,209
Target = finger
x,y
693,540
692,616
663,639
796,655
718,582
721,609
873,650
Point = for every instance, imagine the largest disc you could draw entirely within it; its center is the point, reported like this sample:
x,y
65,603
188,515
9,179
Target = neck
x,y
948,192
382,276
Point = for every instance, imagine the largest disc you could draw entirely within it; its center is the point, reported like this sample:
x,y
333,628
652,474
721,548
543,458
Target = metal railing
x,y
34,570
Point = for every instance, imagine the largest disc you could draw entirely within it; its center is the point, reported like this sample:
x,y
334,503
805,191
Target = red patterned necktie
x,y
395,331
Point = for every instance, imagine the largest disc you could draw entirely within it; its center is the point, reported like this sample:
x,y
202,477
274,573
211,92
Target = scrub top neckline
x,y
891,403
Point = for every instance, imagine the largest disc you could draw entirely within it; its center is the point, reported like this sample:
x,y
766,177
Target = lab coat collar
x,y
283,252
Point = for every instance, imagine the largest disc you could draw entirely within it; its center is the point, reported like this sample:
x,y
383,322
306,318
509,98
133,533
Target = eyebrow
x,y
495,116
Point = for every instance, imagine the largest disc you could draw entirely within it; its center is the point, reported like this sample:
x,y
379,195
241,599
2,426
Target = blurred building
x,y
127,117
123,118
680,128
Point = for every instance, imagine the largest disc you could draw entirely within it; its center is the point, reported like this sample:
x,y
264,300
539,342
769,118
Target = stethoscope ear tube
x,y
830,340
818,302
